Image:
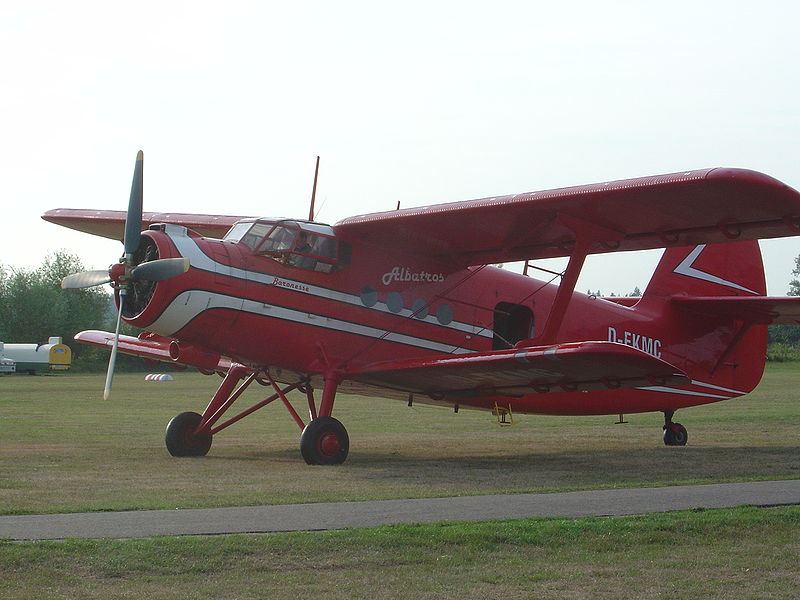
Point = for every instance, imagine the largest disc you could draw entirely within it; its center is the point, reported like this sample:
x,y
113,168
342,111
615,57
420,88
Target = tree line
x,y
33,307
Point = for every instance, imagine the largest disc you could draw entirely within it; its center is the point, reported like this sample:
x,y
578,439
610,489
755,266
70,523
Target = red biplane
x,y
405,305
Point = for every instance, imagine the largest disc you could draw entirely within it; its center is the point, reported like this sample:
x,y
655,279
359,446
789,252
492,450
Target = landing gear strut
x,y
324,441
674,433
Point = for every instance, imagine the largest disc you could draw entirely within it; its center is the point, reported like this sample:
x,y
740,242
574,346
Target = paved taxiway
x,y
341,515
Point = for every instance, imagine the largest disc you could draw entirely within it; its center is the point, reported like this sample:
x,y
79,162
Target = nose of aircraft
x,y
138,268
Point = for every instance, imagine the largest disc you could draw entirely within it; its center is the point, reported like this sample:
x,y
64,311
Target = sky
x,y
412,102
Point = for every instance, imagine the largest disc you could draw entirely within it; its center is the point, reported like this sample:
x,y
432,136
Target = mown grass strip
x,y
743,552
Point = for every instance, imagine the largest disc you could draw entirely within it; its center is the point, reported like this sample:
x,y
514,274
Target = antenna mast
x,y
313,192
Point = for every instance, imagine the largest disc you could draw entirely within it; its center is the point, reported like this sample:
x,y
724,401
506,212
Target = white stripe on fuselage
x,y
191,303
200,260
669,390
716,387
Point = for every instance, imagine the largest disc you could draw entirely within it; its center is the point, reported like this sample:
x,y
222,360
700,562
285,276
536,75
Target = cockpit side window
x,y
303,254
308,246
278,240
325,246
304,245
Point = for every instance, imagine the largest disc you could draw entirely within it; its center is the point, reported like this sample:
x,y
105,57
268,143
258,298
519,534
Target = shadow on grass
x,y
480,473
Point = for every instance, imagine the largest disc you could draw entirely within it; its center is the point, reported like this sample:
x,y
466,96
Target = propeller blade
x,y
133,220
86,279
112,360
163,268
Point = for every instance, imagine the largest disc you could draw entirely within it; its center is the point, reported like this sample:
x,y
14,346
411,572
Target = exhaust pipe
x,y
194,356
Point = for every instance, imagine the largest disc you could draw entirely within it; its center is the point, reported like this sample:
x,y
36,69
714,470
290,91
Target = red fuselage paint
x,y
386,306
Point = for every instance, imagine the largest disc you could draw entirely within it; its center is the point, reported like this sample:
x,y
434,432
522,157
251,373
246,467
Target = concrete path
x,y
341,515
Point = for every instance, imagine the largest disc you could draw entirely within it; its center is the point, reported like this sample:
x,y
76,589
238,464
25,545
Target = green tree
x,y
33,306
788,335
794,284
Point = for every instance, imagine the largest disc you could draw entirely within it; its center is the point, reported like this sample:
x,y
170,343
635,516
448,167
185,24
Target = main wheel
x,y
675,435
181,439
324,441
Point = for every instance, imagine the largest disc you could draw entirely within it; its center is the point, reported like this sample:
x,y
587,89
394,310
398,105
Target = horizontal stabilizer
x,y
764,310
565,367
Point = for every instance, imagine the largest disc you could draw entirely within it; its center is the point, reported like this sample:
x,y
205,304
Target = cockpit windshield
x,y
299,244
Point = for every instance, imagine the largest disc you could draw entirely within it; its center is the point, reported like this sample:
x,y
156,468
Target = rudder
x,y
715,349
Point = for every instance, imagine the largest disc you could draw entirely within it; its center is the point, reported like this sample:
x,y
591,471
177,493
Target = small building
x,y
50,356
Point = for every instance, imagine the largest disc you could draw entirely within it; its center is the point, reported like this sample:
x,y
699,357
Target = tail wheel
x,y
675,434
324,441
181,439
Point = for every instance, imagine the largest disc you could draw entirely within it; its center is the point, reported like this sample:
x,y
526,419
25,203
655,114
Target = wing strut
x,y
586,235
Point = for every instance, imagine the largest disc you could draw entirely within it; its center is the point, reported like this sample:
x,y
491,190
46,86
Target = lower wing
x,y
148,346
569,367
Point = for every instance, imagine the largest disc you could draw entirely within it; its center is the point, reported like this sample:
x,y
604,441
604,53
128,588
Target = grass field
x,y
738,553
64,449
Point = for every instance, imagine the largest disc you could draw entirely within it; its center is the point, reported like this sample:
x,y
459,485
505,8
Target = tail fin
x,y
733,269
714,346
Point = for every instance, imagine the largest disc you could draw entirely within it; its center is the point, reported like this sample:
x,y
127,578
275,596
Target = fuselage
x,y
267,309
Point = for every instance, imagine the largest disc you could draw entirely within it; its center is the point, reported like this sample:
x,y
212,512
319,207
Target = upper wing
x,y
111,223
761,309
682,209
565,367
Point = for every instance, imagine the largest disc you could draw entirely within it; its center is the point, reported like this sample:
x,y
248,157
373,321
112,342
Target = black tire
x,y
324,441
675,434
180,438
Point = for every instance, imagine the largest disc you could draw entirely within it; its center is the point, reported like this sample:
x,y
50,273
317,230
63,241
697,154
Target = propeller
x,y
124,273
86,279
161,269
133,227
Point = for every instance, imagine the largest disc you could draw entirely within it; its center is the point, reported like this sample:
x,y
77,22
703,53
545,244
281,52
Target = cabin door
x,y
512,323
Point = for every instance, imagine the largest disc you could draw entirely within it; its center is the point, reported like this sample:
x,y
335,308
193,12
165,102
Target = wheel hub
x,y
329,444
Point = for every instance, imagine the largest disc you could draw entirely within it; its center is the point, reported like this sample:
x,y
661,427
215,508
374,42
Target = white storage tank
x,y
7,365
51,356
